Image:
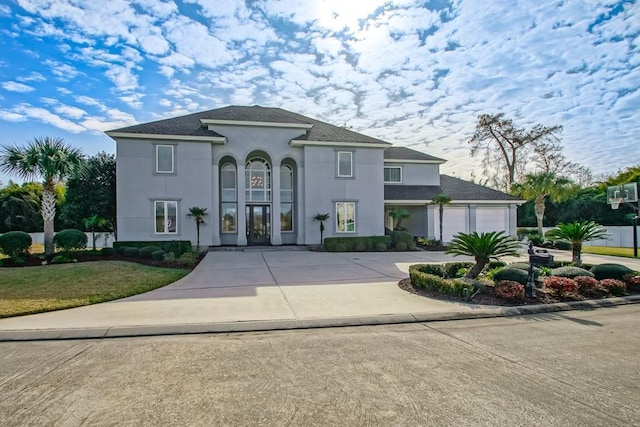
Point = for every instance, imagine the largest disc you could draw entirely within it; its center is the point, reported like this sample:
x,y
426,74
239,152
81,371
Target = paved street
x,y
571,368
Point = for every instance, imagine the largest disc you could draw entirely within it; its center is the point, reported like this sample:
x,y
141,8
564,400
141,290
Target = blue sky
x,y
415,73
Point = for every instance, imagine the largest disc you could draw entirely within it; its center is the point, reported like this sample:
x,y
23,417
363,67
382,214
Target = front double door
x,y
258,224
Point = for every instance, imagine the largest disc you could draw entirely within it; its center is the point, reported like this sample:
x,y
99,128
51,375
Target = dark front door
x,y
258,224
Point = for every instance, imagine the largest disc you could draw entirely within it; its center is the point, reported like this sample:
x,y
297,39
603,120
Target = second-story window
x,y
393,174
164,159
345,164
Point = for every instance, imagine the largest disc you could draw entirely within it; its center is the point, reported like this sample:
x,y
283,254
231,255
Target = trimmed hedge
x,y
524,266
141,244
158,255
571,272
146,251
355,243
15,244
610,271
451,268
107,251
131,251
512,275
401,236
70,240
459,287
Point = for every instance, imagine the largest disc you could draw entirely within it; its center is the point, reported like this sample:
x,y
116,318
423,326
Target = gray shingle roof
x,y
404,153
455,188
190,125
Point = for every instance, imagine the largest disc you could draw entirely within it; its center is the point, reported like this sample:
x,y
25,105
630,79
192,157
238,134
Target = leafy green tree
x,y
53,161
441,200
94,224
198,215
321,218
538,187
483,247
20,207
91,194
399,215
577,233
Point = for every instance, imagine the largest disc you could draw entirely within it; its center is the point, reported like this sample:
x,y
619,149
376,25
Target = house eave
x,y
302,143
432,162
210,122
164,137
455,202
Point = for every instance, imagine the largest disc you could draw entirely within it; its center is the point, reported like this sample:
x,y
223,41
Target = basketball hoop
x,y
615,203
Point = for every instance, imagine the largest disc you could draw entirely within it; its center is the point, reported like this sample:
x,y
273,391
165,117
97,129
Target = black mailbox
x,y
541,257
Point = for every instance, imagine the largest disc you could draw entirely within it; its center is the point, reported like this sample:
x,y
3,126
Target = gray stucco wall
x,y
418,173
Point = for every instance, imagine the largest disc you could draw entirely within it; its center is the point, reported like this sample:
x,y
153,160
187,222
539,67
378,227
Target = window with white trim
x,y
392,174
228,179
286,198
345,217
164,158
166,216
345,164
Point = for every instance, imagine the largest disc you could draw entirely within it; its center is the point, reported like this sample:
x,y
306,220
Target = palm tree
x,y
399,214
483,247
198,215
441,200
539,186
576,233
53,161
321,218
93,223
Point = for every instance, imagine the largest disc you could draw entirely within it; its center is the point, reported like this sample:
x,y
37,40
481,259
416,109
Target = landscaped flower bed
x,y
501,284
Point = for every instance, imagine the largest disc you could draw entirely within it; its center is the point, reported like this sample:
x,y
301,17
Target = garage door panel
x,y
456,220
492,219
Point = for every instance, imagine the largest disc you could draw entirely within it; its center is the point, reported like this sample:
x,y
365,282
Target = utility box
x,y
541,257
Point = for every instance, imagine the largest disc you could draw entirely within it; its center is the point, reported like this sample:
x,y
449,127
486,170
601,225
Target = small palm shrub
x,y
15,244
70,240
610,271
613,286
571,272
561,285
586,285
511,274
483,247
509,290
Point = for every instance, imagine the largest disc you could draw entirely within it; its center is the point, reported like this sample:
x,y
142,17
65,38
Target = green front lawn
x,y
30,290
606,250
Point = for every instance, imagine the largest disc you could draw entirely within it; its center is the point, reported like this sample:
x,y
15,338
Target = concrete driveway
x,y
262,286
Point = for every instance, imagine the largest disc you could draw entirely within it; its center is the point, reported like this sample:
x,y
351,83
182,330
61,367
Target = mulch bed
x,y
33,261
487,297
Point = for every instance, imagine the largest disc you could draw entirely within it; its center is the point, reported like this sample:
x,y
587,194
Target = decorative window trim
x,y
351,171
337,224
394,182
157,159
266,176
167,222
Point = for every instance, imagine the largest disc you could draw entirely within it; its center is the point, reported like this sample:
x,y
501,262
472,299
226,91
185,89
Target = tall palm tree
x,y
53,161
198,215
322,218
576,233
483,247
441,200
539,186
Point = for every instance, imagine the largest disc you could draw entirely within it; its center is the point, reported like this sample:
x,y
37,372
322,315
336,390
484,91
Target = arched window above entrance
x,y
257,180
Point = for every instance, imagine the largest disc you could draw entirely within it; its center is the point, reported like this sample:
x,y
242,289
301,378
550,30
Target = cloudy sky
x,y
415,73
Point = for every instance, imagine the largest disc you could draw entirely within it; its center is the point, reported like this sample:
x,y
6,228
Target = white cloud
x,y
17,87
27,111
69,111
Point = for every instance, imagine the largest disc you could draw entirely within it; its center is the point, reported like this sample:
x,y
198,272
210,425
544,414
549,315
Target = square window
x,y
164,158
393,174
345,217
345,164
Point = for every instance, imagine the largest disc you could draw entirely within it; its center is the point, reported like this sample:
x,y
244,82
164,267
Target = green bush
x,y
536,239
132,252
15,244
563,245
178,247
509,290
523,232
107,251
571,272
360,246
401,246
352,243
613,286
140,244
537,271
425,280
187,259
495,264
435,269
146,251
158,255
70,240
60,259
460,287
610,271
401,236
381,247
169,258
511,274
341,247
451,268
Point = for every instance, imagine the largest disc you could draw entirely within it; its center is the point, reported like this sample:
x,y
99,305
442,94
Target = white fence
x,y
621,237
103,240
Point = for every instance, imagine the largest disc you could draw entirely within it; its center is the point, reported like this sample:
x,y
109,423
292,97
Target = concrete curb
x,y
287,324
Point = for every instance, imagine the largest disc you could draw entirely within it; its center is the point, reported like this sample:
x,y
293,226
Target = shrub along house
x,y
264,173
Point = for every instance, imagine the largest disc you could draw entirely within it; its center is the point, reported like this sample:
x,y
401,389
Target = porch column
x,y
241,226
299,205
431,221
513,220
276,235
215,205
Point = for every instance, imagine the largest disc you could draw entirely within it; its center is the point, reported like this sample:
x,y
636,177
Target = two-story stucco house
x,y
264,173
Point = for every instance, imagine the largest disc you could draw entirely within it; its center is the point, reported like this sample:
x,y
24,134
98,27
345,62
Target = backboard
x,y
625,193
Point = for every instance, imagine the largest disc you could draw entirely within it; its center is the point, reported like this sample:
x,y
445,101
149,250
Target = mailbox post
x,y
540,257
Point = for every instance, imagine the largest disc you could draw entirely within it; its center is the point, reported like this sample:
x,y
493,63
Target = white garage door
x,y
492,219
456,220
